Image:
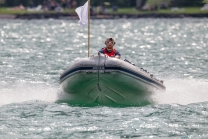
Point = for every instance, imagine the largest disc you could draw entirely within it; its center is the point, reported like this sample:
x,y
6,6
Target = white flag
x,y
82,12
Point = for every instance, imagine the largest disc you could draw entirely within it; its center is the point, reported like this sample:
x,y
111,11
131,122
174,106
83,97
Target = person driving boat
x,y
109,50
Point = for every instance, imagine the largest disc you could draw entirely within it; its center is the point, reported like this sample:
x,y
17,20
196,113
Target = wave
x,y
178,91
20,92
183,91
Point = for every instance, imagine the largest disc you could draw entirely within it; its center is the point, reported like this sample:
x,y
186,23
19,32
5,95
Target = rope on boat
x,y
104,63
99,73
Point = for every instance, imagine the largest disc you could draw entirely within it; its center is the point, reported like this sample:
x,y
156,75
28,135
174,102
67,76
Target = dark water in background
x,y
33,53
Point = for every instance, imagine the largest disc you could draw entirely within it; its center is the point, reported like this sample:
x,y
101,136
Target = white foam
x,y
20,92
179,91
183,91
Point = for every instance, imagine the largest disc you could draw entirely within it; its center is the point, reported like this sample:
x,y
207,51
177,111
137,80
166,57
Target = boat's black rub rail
x,y
65,74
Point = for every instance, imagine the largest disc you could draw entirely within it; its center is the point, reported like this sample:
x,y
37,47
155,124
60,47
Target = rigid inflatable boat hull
x,y
107,81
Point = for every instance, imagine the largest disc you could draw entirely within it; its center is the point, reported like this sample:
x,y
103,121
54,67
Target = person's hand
x,y
117,56
106,55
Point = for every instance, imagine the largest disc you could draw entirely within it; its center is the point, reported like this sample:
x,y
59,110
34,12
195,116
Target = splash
x,y
179,91
20,92
183,91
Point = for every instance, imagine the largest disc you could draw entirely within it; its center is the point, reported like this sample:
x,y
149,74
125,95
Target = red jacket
x,y
110,54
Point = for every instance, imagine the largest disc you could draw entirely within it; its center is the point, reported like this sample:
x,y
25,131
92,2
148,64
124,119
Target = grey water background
x,y
33,54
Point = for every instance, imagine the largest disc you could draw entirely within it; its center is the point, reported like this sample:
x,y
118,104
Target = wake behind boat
x,y
108,81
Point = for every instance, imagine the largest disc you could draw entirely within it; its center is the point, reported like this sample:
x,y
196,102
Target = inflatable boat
x,y
108,81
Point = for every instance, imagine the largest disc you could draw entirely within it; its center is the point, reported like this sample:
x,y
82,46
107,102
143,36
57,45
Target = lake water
x,y
33,54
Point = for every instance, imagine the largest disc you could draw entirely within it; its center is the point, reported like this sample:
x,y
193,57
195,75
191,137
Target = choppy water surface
x,y
33,53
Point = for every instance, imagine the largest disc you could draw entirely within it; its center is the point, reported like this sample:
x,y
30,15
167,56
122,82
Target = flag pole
x,y
88,28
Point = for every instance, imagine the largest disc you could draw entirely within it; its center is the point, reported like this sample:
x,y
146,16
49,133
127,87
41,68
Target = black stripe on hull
x,y
64,75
